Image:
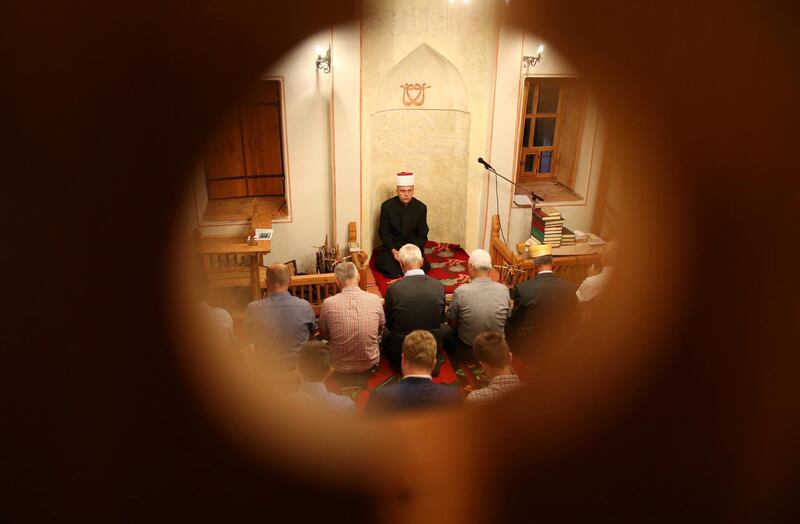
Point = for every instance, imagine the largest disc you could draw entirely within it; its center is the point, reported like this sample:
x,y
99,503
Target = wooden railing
x,y
314,288
359,257
574,268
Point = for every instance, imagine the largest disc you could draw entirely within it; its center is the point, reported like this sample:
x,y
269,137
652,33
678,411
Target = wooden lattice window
x,y
245,156
551,124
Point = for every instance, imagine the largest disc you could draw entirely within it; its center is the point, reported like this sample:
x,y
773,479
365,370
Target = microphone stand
x,y
534,196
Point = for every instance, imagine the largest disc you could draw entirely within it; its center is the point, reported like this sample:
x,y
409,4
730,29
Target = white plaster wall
x,y
515,222
346,58
430,140
438,153
466,34
307,121
312,156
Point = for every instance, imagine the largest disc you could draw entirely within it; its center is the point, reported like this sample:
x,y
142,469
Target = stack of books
x,y
547,225
567,237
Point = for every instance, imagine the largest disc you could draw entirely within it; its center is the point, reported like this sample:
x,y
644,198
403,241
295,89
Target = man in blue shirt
x,y
314,364
281,323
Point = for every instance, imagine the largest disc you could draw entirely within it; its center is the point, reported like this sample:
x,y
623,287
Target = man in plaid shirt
x,y
351,321
492,352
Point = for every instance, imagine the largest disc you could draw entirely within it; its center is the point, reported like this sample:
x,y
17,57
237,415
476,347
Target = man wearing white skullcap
x,y
403,221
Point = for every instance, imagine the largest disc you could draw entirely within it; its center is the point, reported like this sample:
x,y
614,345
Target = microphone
x,y
485,164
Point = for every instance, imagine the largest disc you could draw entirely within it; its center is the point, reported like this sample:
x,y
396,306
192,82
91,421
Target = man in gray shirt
x,y
279,324
482,305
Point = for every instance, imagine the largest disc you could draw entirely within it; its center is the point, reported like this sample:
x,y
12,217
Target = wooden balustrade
x,y
314,288
234,263
574,268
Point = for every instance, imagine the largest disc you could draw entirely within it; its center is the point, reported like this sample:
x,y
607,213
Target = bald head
x,y
278,277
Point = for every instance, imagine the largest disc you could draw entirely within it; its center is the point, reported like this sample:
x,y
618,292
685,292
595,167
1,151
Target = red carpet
x,y
448,264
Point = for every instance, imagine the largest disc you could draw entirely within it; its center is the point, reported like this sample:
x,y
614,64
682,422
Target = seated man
x,y
403,221
596,282
492,352
416,389
314,364
481,305
279,324
352,321
539,302
217,320
415,302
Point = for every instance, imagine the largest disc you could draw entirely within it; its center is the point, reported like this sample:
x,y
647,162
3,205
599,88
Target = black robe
x,y
400,225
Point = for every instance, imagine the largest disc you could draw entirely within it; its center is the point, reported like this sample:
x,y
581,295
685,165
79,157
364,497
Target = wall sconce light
x,y
531,61
324,62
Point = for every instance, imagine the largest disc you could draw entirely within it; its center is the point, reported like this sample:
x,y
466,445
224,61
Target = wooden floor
x,y
550,190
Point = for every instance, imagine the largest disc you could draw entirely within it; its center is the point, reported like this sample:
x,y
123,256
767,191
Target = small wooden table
x,y
252,212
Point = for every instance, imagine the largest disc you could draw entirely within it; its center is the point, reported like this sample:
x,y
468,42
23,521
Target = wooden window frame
x,y
279,105
525,149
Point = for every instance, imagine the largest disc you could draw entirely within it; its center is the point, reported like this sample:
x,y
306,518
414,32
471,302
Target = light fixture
x,y
531,61
324,62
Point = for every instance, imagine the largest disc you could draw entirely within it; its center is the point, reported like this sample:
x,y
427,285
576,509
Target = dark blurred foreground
x,y
105,106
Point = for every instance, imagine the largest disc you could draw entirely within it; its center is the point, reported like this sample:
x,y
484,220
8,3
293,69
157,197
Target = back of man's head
x,y
481,261
545,260
314,362
410,257
491,349
346,272
419,351
278,276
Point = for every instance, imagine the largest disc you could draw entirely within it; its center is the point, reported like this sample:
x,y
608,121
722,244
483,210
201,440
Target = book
x,y
522,200
538,212
548,225
552,223
545,218
264,234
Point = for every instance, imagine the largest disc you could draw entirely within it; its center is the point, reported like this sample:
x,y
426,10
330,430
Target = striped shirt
x,y
352,321
497,387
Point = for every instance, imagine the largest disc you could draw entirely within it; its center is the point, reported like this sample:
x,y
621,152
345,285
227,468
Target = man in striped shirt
x,y
494,356
351,321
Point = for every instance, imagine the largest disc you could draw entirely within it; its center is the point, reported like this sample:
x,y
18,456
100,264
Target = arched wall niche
x,y
422,125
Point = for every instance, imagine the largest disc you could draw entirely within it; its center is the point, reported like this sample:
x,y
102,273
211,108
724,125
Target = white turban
x,y
405,179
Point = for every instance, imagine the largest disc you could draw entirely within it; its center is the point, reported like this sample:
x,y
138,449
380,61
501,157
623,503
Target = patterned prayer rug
x,y
448,264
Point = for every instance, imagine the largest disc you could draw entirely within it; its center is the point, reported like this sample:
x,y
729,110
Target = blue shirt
x,y
316,393
279,324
